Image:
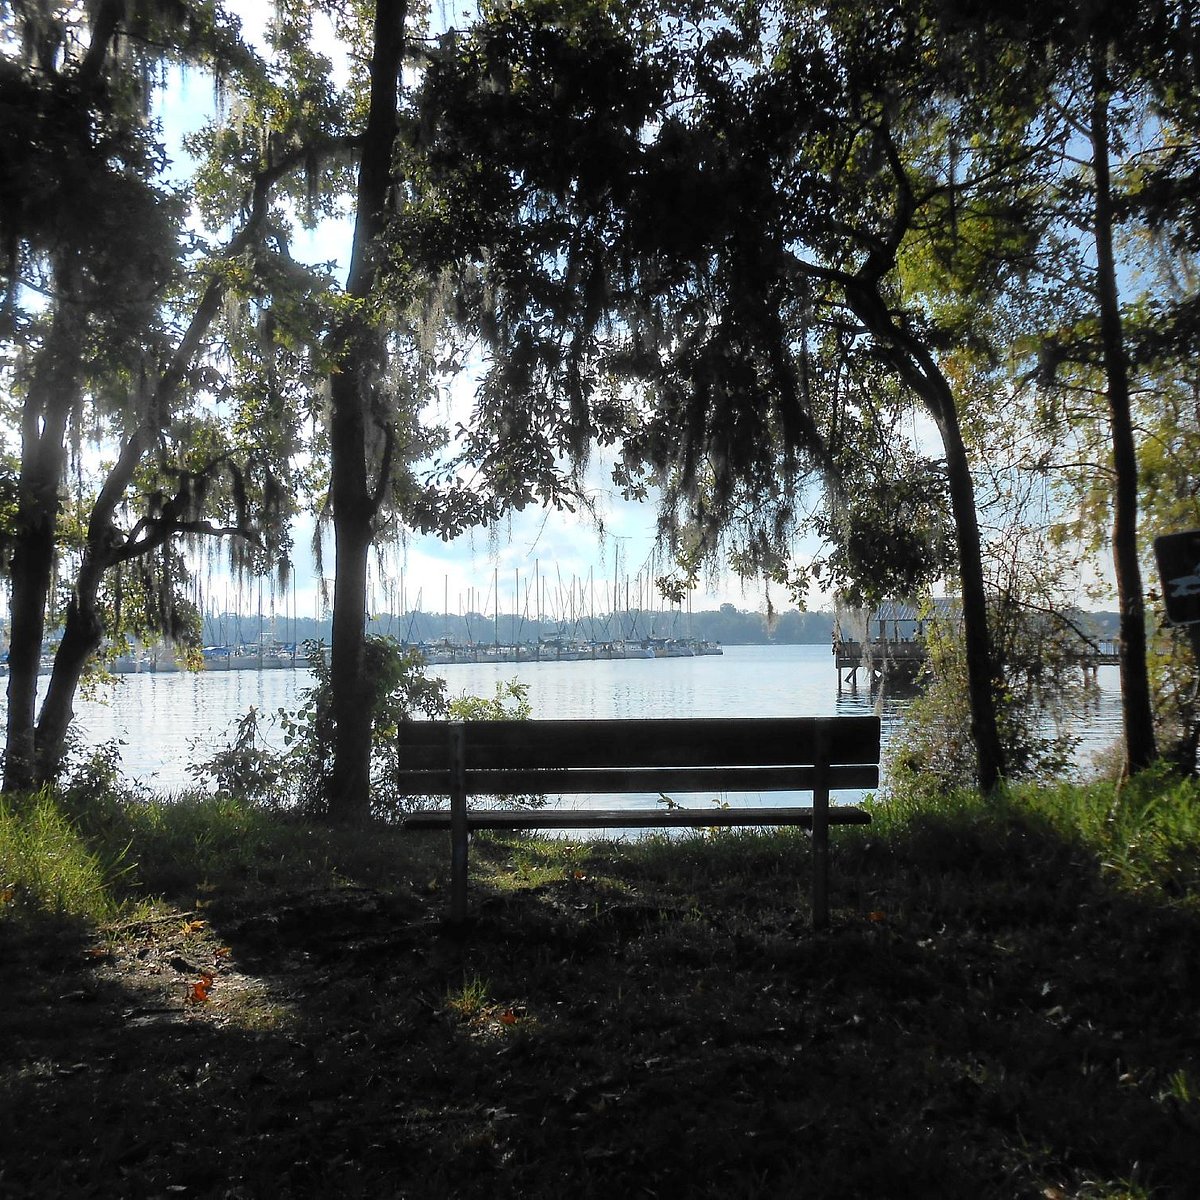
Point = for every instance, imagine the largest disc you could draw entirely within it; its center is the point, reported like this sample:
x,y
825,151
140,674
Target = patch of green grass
x,y
187,843
1144,834
196,840
47,866
469,1000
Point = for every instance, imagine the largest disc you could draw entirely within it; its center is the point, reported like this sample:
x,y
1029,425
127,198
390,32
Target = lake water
x,y
160,719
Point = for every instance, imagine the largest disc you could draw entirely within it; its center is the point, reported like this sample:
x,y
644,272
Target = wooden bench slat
x,y
634,818
631,779
686,741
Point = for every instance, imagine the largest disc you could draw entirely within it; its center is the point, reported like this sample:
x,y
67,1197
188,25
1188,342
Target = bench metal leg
x,y
458,826
820,865
820,832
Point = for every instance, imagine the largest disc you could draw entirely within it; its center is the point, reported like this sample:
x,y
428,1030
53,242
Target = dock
x,y
894,648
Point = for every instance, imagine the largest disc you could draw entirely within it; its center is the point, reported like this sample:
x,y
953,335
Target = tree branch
x,y
379,494
163,530
214,292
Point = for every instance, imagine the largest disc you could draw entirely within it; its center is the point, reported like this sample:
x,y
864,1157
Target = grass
x,y
1005,1006
48,868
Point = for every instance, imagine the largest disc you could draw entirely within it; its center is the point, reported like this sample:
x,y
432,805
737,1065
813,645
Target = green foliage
x,y
46,866
887,528
1041,684
1143,833
9,495
510,702
190,839
246,768
181,365
297,777
401,690
249,770
1151,832
471,1000
91,783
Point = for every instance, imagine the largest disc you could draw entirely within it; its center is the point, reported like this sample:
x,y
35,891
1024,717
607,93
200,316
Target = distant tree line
x,y
729,625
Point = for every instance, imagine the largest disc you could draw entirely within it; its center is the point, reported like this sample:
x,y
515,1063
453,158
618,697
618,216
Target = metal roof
x,y
899,610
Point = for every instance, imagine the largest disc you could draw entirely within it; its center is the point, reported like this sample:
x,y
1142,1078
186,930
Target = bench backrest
x,y
691,754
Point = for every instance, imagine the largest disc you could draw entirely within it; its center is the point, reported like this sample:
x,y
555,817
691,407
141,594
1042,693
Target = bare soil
x,y
619,1025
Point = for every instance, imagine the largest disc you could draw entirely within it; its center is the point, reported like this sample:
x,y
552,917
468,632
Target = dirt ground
x,y
620,1030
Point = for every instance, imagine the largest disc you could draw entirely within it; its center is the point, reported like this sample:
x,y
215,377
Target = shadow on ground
x,y
985,1019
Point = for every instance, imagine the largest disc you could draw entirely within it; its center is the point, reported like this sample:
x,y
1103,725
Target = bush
x,y
1041,684
247,768
510,702
297,778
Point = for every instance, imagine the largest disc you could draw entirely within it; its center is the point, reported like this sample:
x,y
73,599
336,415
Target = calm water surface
x,y
164,722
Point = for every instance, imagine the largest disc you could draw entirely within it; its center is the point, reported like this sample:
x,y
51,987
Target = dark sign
x,y
1178,557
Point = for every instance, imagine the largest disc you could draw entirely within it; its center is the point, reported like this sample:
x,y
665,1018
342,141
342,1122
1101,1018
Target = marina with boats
x,y
886,645
272,655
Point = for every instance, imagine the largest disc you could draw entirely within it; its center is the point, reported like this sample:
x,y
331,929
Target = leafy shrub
x,y
1041,684
510,702
297,777
246,767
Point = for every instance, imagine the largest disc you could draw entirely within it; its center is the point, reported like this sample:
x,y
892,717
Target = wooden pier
x,y
894,649
893,646
879,660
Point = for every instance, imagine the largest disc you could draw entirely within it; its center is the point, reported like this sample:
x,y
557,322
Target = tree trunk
x,y
982,673
32,568
919,369
1137,708
349,799
359,351
53,391
83,629
83,633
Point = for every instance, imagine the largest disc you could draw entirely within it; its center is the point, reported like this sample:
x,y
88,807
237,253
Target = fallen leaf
x,y
507,1017
876,916
192,927
222,952
198,992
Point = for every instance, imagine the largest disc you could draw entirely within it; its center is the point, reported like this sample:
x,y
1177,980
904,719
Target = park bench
x,y
510,758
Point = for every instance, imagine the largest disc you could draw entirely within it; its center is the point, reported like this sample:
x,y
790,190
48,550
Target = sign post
x,y
1178,556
